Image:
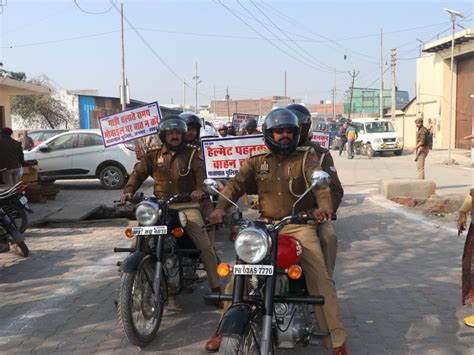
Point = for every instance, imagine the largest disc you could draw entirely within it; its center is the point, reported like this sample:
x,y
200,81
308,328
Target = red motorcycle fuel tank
x,y
289,251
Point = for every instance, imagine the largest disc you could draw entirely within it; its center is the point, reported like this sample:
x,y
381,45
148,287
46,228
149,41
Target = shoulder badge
x,y
259,152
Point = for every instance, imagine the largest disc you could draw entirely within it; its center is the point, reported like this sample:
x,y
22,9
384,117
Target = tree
x,y
42,110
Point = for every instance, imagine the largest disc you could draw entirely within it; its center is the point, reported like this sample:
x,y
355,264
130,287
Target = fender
x,y
131,262
235,320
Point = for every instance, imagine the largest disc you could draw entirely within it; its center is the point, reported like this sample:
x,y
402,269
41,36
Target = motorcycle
x,y
13,218
163,261
275,312
15,204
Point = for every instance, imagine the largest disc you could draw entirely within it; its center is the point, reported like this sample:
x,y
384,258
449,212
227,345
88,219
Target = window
x,y
379,127
67,141
89,140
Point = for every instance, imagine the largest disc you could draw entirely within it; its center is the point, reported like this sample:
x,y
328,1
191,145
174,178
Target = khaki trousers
x,y
318,282
200,238
420,163
328,241
10,176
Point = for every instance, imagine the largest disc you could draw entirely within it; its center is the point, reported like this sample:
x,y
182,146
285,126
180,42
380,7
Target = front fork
x,y
158,267
11,229
266,341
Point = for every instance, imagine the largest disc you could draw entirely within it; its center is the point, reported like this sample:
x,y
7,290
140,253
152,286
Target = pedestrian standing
x,y
11,157
422,148
467,264
430,127
351,135
343,137
26,141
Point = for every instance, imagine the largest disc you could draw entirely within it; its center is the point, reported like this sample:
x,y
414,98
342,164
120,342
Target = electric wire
x,y
91,12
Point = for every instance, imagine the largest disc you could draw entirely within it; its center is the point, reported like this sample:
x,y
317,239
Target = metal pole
x,y
214,108
123,90
453,18
381,76
352,90
285,84
394,88
196,88
184,95
334,97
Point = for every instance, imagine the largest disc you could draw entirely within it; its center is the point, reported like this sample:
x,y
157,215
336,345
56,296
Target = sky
x,y
243,45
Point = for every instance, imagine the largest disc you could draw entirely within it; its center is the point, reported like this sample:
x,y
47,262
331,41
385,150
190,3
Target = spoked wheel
x,y
139,314
248,343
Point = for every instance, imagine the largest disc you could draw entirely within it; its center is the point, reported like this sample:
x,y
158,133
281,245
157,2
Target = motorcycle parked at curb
x,y
13,218
162,262
270,307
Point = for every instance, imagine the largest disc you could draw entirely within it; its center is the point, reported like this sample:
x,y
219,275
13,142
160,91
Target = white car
x,y
377,135
81,154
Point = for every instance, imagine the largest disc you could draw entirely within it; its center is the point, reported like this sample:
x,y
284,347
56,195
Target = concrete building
x,y
325,110
10,87
262,106
433,78
365,101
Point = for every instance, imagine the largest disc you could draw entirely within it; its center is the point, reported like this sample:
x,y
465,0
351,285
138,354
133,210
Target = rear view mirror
x,y
320,179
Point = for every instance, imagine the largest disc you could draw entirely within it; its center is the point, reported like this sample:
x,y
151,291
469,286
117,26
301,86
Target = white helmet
x,y
208,131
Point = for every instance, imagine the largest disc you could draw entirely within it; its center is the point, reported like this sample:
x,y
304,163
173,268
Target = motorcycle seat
x,y
9,190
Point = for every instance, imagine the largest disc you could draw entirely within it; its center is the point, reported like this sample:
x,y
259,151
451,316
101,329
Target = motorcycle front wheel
x,y
20,219
248,343
139,314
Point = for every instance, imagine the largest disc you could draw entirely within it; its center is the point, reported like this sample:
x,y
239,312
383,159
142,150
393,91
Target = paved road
x,y
398,280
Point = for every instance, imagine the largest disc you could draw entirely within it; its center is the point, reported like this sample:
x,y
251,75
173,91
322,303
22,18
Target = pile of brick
x,y
38,191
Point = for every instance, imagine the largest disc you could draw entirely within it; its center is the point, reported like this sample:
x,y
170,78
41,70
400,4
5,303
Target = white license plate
x,y
23,200
264,270
155,230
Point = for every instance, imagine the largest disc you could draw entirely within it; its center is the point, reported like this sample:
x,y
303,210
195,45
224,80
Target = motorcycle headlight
x,y
252,245
147,213
182,219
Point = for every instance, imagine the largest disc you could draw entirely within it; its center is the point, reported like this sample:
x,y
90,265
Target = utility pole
x,y
214,108
394,87
124,92
285,84
227,97
381,76
184,95
196,78
352,90
334,97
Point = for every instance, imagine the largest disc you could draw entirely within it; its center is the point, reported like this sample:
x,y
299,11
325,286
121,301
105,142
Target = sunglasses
x,y
286,130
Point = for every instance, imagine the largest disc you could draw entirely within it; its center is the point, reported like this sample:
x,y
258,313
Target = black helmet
x,y
304,120
250,125
281,118
191,119
169,123
222,127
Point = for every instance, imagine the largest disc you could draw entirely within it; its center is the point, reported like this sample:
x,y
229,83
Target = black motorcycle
x,y
270,307
162,262
15,204
13,219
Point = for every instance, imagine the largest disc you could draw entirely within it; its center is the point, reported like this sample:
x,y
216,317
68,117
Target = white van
x,y
377,135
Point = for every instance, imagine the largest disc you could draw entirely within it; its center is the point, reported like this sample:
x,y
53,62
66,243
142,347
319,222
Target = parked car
x,y
41,135
376,136
81,154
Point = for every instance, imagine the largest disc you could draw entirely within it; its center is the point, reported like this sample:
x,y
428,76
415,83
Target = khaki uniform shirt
x,y
422,136
327,165
174,172
270,176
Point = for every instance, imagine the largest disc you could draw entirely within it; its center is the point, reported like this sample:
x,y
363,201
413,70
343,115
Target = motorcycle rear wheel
x,y
21,249
138,313
20,219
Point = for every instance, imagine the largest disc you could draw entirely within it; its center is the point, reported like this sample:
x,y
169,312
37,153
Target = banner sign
x,y
224,156
130,124
239,119
322,138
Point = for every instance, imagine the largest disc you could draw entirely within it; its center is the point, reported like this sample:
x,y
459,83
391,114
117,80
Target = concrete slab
x,y
413,188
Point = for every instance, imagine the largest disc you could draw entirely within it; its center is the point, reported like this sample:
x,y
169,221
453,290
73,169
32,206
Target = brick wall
x,y
256,107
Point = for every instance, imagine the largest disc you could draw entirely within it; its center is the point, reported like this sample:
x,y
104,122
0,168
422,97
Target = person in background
x,y
26,141
12,157
343,137
430,127
351,135
231,129
467,264
223,130
421,149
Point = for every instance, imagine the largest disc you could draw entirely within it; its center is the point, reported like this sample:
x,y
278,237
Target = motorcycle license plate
x,y
154,230
23,200
263,270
